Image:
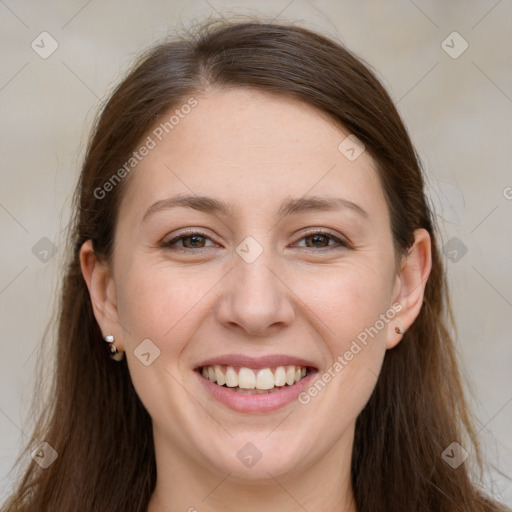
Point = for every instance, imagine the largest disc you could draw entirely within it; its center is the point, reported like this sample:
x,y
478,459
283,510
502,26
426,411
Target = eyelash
x,y
170,245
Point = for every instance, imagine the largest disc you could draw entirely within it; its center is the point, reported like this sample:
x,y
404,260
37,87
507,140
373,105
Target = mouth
x,y
255,385
255,381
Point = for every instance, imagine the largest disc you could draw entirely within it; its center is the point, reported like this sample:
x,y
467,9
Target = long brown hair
x,y
93,417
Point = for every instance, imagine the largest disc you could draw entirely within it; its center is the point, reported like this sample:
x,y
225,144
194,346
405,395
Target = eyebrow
x,y
290,206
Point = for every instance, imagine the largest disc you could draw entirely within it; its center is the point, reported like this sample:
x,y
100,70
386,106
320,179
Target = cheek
x,y
353,312
347,300
161,304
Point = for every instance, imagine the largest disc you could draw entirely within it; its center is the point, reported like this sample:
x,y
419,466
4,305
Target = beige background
x,y
458,111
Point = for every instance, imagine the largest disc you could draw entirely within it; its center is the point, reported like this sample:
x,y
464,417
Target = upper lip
x,y
267,361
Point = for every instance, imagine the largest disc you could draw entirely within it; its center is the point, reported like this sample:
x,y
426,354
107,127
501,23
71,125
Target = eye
x,y
321,239
190,240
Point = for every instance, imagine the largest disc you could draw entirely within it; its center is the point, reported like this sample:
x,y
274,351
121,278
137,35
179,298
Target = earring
x,y
114,353
399,331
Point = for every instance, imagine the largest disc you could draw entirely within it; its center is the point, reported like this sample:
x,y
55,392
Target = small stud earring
x,y
399,331
114,353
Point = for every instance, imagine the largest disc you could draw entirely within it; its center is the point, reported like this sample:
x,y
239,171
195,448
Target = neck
x,y
185,485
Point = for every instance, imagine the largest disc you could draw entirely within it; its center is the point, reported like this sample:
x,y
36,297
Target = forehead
x,y
251,148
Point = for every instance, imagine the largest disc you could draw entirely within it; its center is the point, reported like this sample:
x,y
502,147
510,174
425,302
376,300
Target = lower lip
x,y
256,403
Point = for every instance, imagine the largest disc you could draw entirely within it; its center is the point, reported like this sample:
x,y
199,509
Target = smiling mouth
x,y
251,381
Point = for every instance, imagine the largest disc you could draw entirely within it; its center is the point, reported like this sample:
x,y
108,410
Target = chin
x,y
261,458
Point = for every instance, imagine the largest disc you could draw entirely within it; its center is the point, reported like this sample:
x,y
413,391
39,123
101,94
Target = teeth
x,y
219,376
247,378
280,376
290,375
231,377
265,379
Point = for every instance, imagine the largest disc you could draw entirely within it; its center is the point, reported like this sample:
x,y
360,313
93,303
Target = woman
x,y
253,249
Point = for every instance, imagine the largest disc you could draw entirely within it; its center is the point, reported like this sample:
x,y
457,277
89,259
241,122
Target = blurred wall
x,y
447,66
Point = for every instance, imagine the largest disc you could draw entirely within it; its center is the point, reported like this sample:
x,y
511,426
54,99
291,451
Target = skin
x,y
253,150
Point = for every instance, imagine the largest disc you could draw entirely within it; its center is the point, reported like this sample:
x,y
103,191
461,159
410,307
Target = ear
x,y
410,286
100,284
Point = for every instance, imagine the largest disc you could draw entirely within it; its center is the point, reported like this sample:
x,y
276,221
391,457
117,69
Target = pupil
x,y
316,238
195,239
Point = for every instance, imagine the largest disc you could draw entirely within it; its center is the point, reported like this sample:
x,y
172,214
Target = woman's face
x,y
255,288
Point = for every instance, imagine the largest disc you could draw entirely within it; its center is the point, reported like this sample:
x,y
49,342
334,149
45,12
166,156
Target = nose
x,y
256,299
